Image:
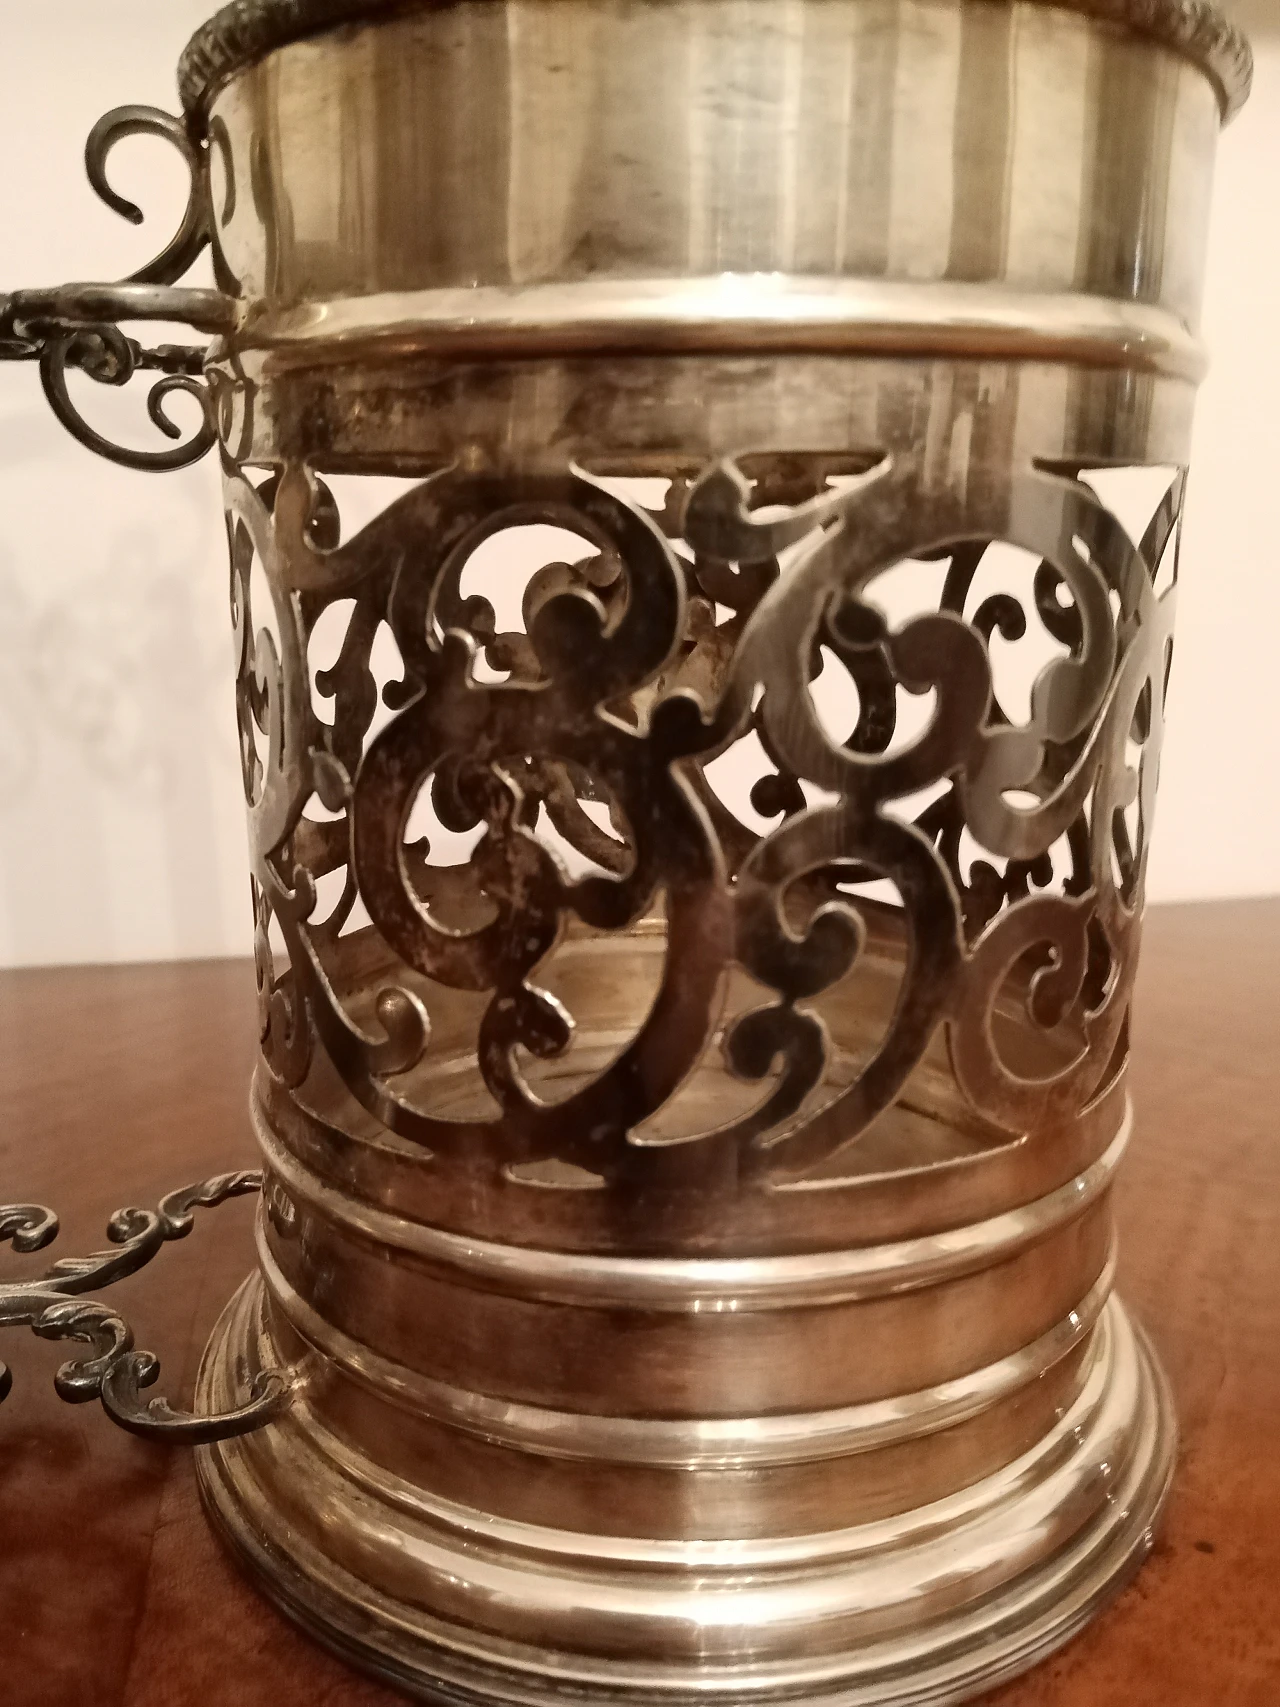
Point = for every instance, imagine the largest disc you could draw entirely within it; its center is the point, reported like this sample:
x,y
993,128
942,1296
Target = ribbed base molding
x,y
928,1607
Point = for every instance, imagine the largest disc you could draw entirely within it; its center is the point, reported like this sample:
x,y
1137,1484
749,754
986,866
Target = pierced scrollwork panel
x,y
575,755
1066,774
56,1306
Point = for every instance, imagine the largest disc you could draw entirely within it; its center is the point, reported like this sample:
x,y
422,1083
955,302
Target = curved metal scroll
x,y
55,1307
1035,931
76,326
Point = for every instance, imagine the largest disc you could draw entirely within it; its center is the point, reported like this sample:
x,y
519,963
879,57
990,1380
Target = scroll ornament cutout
x,y
688,628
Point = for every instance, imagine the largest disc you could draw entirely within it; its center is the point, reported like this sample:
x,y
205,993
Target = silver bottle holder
x,y
694,946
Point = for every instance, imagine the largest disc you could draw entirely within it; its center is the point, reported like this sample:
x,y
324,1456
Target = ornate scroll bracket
x,y
56,1308
77,326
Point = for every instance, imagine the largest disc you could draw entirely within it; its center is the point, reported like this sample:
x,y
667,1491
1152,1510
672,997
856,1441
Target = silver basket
x,y
694,948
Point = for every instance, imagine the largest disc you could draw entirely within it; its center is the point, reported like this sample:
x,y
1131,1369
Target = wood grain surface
x,y
118,1084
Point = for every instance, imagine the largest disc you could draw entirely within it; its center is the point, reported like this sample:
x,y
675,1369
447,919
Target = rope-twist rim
x,y
246,30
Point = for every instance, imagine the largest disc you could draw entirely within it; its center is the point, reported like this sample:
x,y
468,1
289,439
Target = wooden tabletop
x,y
118,1084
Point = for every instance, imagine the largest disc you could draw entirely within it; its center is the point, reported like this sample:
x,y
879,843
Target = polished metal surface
x,y
924,1606
770,314
650,1199
699,1260
249,29
703,483
777,150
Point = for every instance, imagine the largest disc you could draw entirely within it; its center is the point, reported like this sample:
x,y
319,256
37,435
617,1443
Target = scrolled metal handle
x,y
55,1308
77,326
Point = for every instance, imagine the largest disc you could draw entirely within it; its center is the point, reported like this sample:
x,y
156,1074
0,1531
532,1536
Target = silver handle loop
x,y
77,326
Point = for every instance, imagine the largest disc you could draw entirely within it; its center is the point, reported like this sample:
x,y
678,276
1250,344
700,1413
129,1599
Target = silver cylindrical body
x,y
696,945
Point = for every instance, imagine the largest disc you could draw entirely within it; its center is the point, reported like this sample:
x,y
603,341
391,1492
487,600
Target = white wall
x,y
121,818
121,825
1219,820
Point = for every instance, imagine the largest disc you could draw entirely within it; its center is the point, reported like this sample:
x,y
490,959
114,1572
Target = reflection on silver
x,y
246,31
712,1284
704,1443
1035,1545
763,312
